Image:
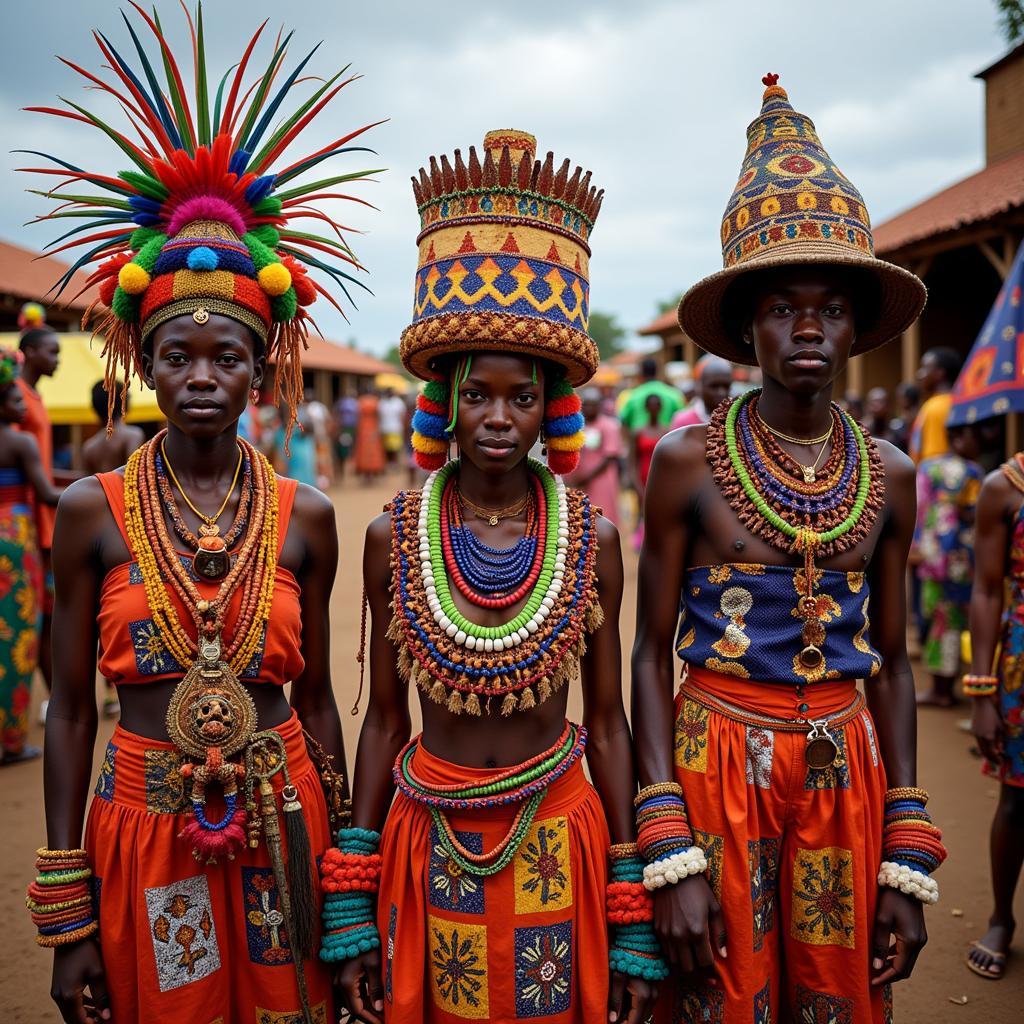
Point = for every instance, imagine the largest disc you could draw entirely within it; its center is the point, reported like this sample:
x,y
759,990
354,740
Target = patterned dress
x,y
947,491
20,586
1011,665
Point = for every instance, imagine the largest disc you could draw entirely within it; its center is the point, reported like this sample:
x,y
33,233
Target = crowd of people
x,y
750,845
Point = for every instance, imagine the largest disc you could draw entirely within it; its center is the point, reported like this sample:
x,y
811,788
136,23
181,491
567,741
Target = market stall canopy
x,y
992,380
68,393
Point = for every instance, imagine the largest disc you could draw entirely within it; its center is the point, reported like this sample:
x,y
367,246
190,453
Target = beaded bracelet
x,y
980,686
634,949
60,898
350,878
911,845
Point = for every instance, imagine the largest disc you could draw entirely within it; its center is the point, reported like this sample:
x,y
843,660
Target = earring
x,y
254,395
543,444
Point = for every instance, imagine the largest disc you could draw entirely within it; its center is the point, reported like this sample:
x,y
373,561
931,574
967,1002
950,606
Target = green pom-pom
x,y
436,391
268,206
140,236
262,255
267,234
150,252
283,307
559,388
125,306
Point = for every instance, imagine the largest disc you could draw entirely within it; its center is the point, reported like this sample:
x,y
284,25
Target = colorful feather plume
x,y
209,211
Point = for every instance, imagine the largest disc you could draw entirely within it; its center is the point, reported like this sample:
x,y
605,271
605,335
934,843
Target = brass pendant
x,y
811,657
822,750
493,521
211,561
210,708
809,476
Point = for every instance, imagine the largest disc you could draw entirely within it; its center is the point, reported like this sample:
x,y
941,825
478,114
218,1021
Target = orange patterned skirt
x,y
183,941
528,942
793,854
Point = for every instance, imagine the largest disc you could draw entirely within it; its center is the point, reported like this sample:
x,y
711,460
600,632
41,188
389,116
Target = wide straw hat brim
x,y
901,298
429,341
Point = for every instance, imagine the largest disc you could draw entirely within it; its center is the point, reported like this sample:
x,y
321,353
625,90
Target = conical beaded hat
x,y
503,258
793,206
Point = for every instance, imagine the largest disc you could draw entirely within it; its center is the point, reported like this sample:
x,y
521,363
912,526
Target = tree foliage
x,y
1011,19
607,332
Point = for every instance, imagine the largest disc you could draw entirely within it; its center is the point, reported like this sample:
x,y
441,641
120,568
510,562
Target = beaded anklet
x,y
911,845
980,686
634,949
60,899
350,879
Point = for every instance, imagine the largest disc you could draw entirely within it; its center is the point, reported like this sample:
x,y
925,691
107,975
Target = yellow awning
x,y
68,393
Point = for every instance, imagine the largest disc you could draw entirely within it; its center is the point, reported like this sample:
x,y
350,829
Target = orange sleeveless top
x,y
131,648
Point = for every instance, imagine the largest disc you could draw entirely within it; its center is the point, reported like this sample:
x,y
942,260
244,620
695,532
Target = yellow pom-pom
x,y
133,279
428,445
275,279
572,443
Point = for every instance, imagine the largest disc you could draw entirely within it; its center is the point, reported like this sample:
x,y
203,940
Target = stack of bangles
x,y
664,838
349,879
980,686
634,949
60,899
911,845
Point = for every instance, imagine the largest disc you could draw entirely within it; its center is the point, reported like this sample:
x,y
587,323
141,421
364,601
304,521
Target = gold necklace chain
x,y
494,515
808,442
208,520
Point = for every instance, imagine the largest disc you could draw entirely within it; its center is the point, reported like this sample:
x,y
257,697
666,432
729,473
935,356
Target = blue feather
x,y
75,170
84,259
313,161
260,189
257,133
239,161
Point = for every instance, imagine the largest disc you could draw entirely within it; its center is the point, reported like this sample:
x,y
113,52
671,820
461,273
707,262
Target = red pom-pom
x,y
430,462
561,463
426,405
110,269
569,405
107,289
770,79
305,293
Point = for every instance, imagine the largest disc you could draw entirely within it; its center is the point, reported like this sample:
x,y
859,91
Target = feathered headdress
x,y
207,220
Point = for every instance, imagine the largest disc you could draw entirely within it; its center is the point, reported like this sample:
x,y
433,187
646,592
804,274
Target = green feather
x,y
117,204
202,91
220,98
107,130
316,186
261,92
145,184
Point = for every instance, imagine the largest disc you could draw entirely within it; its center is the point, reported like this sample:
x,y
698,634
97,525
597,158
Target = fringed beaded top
x,y
805,510
522,662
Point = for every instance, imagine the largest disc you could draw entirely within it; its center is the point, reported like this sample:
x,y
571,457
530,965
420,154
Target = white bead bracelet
x,y
675,868
906,880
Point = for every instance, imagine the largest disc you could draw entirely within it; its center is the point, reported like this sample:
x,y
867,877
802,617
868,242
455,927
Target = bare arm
x,y
27,449
890,693
899,932
609,751
996,504
387,726
312,693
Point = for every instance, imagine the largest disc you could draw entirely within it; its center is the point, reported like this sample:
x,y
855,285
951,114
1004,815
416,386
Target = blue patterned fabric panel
x,y
743,620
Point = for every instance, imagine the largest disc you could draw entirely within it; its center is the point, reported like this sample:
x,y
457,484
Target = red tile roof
x,y
667,323
997,189
328,355
26,277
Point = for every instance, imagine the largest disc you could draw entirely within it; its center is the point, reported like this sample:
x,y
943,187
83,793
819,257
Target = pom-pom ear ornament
x,y
31,316
208,217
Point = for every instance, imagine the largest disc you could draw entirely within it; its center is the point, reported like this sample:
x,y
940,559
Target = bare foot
x,y
933,699
987,956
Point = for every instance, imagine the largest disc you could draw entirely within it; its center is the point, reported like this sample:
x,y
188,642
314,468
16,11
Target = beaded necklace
x,y
776,501
211,717
463,664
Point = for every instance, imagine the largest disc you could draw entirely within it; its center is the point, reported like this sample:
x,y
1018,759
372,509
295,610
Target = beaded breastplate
x,y
464,665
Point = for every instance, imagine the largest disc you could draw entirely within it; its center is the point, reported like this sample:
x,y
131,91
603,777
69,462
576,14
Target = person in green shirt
x,y
634,414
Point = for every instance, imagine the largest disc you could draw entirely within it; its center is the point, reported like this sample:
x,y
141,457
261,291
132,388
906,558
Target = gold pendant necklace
x,y
493,516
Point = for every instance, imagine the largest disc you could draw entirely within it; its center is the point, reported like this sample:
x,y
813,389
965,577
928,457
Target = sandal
x,y
998,962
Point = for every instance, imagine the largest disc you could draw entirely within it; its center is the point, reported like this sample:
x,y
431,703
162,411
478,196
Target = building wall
x,y
1004,109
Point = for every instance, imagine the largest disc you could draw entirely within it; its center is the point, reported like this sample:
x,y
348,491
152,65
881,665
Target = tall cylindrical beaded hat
x,y
503,258
792,206
209,219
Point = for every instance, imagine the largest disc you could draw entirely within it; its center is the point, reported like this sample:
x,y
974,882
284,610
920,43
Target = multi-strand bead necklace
x,y
817,515
147,493
522,662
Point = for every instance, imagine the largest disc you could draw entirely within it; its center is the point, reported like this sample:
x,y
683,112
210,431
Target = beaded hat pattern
x,y
207,220
793,206
503,258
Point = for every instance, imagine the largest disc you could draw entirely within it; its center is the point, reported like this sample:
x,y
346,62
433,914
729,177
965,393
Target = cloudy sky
x,y
653,96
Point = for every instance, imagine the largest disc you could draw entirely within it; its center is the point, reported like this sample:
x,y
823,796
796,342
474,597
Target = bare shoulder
x,y
899,467
997,491
82,503
313,508
607,534
378,532
684,448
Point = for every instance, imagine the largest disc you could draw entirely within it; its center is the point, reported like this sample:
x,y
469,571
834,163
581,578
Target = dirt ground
x,y
942,989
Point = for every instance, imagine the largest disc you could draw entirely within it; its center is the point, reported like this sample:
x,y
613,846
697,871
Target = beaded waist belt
x,y
822,749
524,784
